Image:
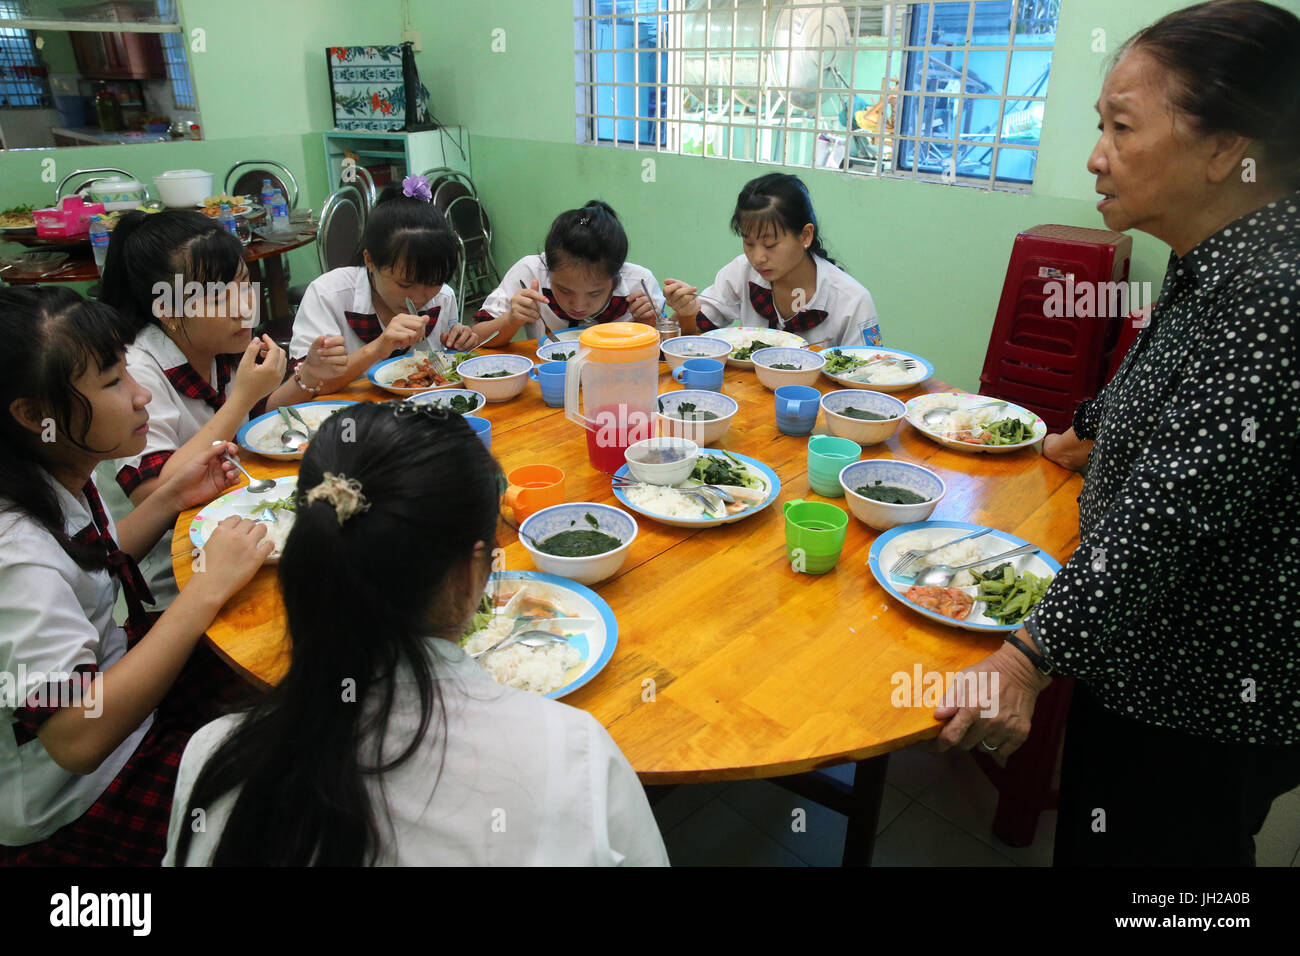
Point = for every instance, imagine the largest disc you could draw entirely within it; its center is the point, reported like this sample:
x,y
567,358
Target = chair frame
x,y
283,173
344,194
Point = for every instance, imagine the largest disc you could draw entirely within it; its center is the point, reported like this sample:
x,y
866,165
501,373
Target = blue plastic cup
x,y
550,376
796,408
702,373
482,428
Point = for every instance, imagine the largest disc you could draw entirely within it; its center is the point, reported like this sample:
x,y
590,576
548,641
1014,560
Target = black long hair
x,y
590,237
777,203
362,597
408,233
1235,66
51,335
151,249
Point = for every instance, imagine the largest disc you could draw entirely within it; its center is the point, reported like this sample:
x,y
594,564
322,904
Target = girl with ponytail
x,y
784,279
384,743
582,279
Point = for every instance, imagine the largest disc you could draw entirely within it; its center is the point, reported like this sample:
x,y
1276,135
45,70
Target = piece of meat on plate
x,y
950,602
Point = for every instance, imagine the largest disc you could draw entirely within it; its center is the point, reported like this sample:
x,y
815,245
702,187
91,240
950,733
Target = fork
x,y
909,557
906,364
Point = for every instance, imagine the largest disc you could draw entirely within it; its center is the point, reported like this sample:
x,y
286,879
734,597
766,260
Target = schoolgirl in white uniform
x,y
431,762
195,353
92,716
407,252
784,279
583,279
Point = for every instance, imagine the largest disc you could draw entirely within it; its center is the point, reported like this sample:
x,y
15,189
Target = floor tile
x,y
716,835
1278,840
912,769
682,802
920,837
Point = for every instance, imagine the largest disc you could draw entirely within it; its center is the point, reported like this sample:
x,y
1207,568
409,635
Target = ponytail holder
x,y
584,220
343,494
417,187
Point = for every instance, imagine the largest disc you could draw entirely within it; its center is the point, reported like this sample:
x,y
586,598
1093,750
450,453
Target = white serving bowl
x,y
572,516
809,367
443,396
183,188
856,429
497,388
703,433
547,350
880,514
662,473
683,347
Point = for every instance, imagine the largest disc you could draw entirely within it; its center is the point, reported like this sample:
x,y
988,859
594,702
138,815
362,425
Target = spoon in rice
x,y
292,439
941,575
936,415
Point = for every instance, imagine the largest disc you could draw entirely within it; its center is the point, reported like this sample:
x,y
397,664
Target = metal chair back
x,y
342,220
249,182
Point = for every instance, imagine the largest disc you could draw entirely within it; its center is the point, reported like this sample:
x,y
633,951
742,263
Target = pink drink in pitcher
x,y
611,388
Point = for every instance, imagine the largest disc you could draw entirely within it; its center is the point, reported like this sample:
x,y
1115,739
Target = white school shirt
x,y
527,781
174,418
850,315
329,300
54,616
529,268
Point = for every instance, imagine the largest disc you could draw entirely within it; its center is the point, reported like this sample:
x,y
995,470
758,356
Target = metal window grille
x,y
23,77
951,92
178,69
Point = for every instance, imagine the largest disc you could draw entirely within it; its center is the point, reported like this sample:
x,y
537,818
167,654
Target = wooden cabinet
x,y
119,55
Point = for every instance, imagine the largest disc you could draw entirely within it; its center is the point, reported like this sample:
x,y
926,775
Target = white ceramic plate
x,y
383,374
918,406
262,435
871,351
770,480
246,505
885,550
738,337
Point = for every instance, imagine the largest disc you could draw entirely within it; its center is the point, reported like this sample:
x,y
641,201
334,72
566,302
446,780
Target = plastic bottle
x,y
279,214
268,193
99,242
227,220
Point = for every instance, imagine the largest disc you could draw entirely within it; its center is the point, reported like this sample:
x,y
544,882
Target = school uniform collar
x,y
364,320
760,297
614,309
182,375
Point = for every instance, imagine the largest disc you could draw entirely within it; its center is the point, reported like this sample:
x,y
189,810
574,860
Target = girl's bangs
x,y
214,257
423,257
759,224
99,332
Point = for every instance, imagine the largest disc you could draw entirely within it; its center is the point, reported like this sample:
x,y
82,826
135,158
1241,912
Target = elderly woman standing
x,y
1177,615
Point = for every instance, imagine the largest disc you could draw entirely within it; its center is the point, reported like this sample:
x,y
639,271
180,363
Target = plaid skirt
x,y
127,825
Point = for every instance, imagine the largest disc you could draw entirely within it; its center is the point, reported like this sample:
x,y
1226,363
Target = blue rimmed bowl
x,y
546,352
701,431
808,366
572,516
882,515
678,350
862,431
443,396
479,374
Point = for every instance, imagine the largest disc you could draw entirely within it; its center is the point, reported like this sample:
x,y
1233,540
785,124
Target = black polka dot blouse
x,y
1180,608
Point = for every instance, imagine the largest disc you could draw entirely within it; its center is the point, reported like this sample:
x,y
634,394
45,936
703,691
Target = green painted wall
x,y
934,257
263,93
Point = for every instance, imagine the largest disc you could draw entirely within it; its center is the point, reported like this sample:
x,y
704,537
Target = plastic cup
x,y
550,376
705,373
814,535
796,408
530,488
482,428
827,457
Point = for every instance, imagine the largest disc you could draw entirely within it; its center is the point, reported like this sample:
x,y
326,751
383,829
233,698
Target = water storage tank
x,y
723,43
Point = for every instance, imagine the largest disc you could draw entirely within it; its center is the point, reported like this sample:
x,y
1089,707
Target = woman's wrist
x,y
306,381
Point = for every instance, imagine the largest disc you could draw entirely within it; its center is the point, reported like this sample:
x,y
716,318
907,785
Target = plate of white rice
x,y
960,429
743,337
245,504
262,435
670,506
555,670
882,377
923,535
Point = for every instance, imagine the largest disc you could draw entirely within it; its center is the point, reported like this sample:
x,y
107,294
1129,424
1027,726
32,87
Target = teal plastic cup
x,y
827,457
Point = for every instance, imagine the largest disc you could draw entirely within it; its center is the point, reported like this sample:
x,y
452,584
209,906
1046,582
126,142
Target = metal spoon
x,y
942,574
255,485
935,415
292,439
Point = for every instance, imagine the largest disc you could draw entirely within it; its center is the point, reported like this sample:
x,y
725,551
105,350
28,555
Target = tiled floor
x,y
937,811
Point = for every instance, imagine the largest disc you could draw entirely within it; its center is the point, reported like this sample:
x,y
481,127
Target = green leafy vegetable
x,y
481,619
501,374
837,362
1009,597
712,470
748,350
788,368
461,404
591,521
287,503
1008,431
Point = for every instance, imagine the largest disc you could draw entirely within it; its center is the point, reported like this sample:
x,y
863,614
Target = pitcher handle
x,y
572,381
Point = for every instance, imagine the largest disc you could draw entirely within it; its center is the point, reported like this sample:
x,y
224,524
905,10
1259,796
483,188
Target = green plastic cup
x,y
827,457
814,535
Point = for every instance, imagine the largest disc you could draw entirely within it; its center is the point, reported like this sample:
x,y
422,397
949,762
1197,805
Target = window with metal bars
x,y
178,68
951,92
24,79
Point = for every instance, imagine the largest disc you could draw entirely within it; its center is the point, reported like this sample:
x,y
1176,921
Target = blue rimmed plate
x,y
597,645
769,477
886,548
383,374
262,435
870,351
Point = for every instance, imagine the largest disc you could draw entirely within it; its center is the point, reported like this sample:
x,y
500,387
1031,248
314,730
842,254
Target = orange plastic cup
x,y
532,488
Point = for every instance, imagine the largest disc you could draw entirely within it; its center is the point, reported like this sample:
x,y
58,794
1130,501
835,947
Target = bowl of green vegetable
x,y
678,350
579,540
863,416
697,414
498,377
785,366
883,493
463,401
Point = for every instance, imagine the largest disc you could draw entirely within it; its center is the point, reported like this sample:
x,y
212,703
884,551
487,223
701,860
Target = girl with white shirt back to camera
x,y
407,252
583,279
385,744
94,717
194,350
784,279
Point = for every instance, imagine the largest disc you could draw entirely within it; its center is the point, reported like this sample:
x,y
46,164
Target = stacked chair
x,y
456,198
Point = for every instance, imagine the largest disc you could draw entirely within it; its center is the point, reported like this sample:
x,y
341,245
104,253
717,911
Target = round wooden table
x,y
730,665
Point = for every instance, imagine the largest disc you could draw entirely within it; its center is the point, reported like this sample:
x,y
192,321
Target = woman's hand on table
x,y
641,308
260,372
682,298
1067,450
202,478
1003,721
459,338
236,549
